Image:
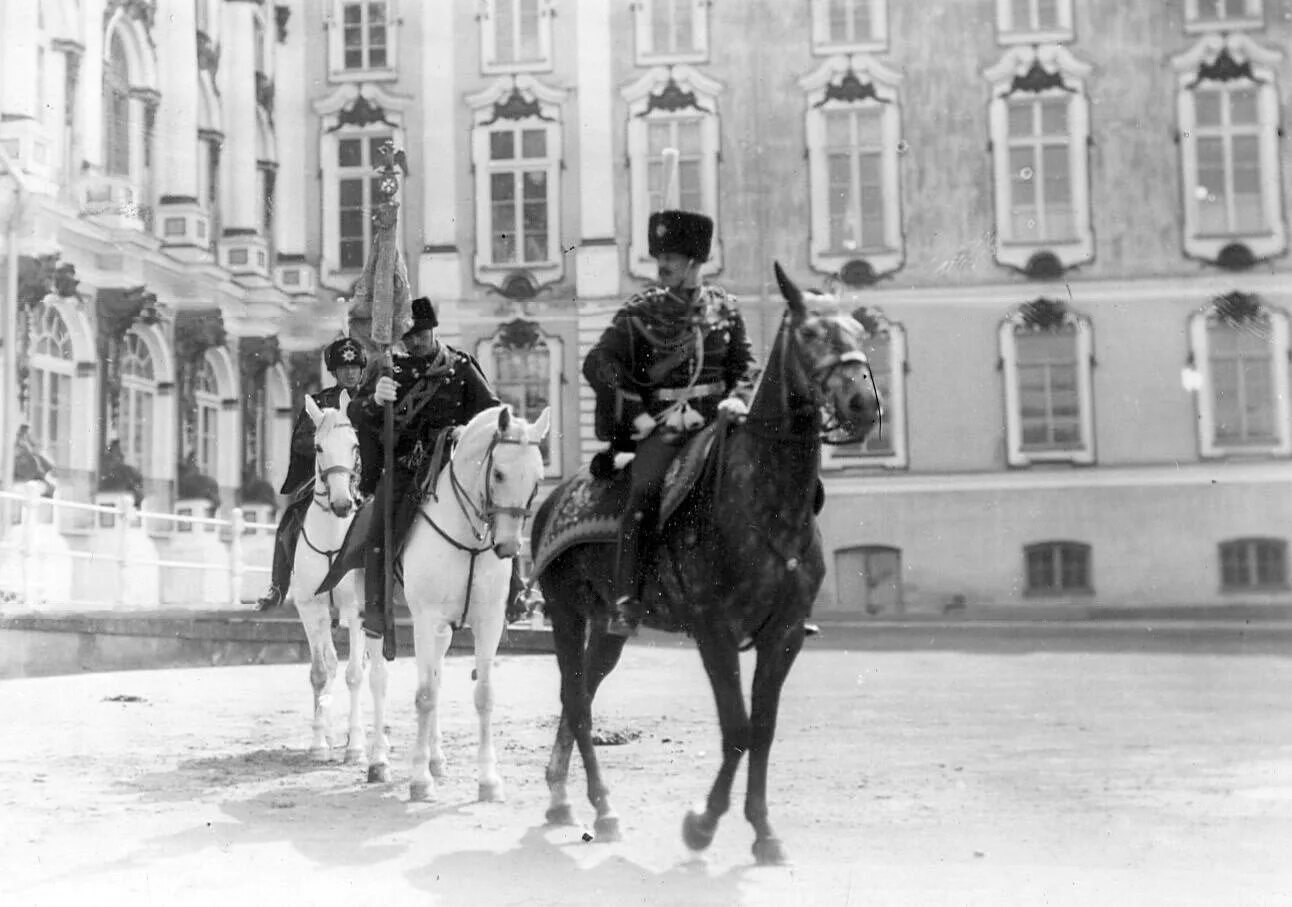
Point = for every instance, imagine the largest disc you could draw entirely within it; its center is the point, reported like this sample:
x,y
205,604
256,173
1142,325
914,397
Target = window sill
x,y
1230,237
858,47
363,75
1224,25
1042,36
669,59
1247,590
1079,591
518,266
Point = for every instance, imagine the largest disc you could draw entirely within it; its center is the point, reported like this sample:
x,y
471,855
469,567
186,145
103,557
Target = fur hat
x,y
343,352
684,232
423,316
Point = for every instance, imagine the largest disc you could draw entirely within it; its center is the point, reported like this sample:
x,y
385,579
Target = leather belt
x,y
688,393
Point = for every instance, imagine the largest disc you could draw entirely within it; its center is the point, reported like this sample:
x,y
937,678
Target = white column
x,y
292,122
89,109
239,202
177,116
439,272
597,258
18,24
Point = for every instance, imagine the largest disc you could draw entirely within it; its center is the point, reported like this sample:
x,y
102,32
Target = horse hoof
x,y
353,756
379,774
320,753
560,815
606,829
437,772
694,834
769,852
492,792
419,791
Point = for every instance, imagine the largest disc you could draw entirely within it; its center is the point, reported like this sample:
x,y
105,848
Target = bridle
x,y
322,495
485,511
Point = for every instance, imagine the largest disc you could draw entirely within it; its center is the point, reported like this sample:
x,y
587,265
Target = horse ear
x,y
504,417
343,402
312,409
538,430
793,295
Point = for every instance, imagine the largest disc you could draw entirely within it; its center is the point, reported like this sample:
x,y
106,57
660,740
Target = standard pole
x,y
388,518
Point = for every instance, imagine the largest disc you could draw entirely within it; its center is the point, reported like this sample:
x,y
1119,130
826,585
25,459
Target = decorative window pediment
x,y
1227,106
515,36
363,40
672,107
1239,350
1039,118
523,364
671,31
1033,21
516,149
1046,353
886,447
1222,15
849,26
853,127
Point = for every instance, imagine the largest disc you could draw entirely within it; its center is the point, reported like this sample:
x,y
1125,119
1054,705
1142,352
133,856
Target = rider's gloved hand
x,y
643,425
733,406
385,391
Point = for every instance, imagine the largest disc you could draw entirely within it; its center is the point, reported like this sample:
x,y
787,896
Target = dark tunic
x,y
300,468
650,349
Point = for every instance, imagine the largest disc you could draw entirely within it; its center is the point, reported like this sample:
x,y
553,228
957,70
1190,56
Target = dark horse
x,y
738,565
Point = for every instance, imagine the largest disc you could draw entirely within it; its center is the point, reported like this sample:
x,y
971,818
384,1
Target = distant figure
x,y
30,465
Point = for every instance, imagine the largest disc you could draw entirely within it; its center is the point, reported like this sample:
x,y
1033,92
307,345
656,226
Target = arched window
x,y
138,396
50,399
524,366
116,110
206,419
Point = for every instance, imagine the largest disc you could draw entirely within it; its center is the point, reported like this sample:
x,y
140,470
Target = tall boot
x,y
377,623
625,611
280,574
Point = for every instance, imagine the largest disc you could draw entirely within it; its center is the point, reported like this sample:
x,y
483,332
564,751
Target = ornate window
x,y
849,26
671,31
1057,568
357,194
206,419
1253,564
516,149
1040,132
672,108
362,40
137,403
1046,353
885,347
1222,15
515,36
1033,21
49,401
1240,349
853,126
116,110
1228,110
524,366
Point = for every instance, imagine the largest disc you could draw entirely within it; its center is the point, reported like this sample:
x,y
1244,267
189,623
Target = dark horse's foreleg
x,y
721,660
583,666
776,654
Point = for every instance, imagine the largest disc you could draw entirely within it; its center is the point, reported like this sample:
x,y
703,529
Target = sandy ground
x,y
897,778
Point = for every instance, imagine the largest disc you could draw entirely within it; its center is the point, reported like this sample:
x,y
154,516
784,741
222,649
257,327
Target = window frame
x,y
337,70
649,100
1007,34
486,350
138,405
644,34
1260,62
1058,550
877,43
893,403
1053,62
1250,548
489,62
1204,398
47,323
1253,17
819,87
1016,454
522,103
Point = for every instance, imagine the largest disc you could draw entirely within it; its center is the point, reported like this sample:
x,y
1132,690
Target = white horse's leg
x,y
323,663
379,749
431,640
354,673
486,627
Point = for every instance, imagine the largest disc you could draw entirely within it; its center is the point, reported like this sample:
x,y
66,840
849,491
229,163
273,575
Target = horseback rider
x,y
674,356
346,360
434,387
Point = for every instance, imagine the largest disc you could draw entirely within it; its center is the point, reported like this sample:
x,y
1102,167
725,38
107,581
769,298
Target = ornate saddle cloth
x,y
587,510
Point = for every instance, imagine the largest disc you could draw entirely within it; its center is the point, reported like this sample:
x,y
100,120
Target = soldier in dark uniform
x,y
673,357
434,387
346,360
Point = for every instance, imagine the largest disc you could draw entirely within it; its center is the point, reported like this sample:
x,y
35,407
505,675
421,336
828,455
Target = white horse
x,y
336,465
456,568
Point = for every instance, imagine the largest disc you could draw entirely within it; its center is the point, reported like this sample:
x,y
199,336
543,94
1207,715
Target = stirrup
x,y
270,600
618,620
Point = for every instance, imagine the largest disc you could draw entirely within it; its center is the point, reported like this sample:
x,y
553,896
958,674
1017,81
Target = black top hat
x,y
423,316
684,232
343,352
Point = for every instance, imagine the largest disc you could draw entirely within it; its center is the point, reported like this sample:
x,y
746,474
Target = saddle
x,y
587,507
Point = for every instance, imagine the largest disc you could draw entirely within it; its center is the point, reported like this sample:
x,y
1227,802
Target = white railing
x,y
127,558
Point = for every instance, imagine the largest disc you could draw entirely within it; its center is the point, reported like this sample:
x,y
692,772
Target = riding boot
x,y
280,575
625,611
375,622
517,594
